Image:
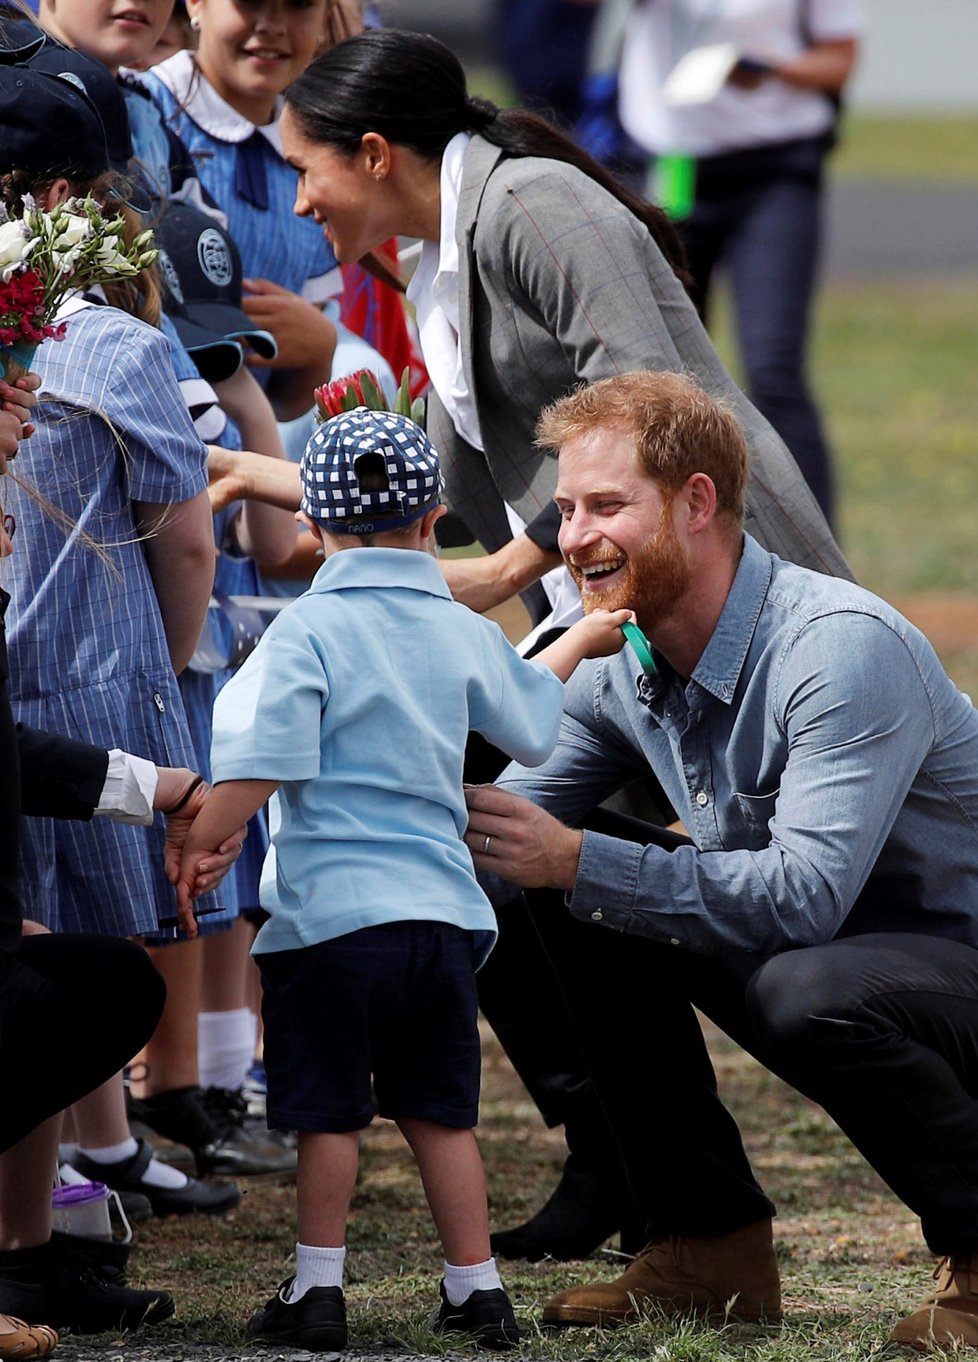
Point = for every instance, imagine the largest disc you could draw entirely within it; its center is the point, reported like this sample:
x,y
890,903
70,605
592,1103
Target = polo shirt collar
x,y
718,670
411,569
201,102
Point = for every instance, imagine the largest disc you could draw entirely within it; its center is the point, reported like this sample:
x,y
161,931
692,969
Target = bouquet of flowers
x,y
363,390
44,257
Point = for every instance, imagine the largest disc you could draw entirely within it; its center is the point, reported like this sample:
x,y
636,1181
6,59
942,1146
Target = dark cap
x,y
49,127
102,88
19,38
366,471
202,271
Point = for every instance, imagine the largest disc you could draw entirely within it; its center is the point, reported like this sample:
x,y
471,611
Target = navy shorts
x,y
394,1003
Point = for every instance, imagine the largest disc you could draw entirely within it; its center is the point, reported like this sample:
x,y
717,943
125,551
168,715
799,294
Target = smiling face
x,y
250,50
339,190
617,533
114,32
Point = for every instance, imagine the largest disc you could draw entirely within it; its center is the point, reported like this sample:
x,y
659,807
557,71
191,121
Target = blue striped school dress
x,y
87,649
274,244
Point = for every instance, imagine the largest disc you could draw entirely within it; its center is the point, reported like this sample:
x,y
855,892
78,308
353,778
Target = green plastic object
x,y
640,646
675,185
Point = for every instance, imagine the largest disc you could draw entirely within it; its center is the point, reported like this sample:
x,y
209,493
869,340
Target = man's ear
x,y
699,496
303,519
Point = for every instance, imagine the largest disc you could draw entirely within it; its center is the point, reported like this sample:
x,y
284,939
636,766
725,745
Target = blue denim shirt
x,y
824,765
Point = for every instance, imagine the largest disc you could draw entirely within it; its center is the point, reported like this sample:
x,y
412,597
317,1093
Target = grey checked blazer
x,y
560,284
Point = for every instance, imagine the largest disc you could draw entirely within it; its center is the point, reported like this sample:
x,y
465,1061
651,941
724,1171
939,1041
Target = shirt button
x,y
674,941
597,915
702,798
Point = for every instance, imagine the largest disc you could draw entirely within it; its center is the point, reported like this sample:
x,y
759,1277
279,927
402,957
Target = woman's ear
x,y
376,155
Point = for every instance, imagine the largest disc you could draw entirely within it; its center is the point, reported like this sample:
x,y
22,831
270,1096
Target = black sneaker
x,y
486,1316
108,1257
316,1321
212,1125
212,1198
77,1298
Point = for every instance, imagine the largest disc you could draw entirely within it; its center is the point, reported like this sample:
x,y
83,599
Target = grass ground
x,y
850,1254
894,366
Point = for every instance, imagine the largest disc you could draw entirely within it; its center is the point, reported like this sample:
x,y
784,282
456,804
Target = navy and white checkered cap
x,y
331,491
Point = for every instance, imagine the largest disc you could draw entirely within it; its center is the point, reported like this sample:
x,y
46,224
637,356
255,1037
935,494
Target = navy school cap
x,y
202,271
19,38
102,88
405,473
50,127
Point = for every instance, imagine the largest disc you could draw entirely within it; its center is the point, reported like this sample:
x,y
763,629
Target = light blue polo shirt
x,y
359,699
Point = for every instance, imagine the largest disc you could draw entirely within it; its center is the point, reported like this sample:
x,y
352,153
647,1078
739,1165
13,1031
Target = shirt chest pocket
x,y
754,813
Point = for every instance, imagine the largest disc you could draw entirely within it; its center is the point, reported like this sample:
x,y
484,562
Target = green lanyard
x,y
641,647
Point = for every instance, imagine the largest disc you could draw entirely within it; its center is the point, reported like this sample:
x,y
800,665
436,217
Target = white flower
x,y
15,246
72,230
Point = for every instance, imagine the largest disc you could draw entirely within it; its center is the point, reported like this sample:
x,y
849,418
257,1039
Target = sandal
x,y
25,1340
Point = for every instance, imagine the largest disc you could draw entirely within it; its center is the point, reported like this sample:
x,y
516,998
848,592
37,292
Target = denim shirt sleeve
x,y
849,703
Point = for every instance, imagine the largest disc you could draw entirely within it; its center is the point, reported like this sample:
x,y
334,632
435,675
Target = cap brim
x,y
12,54
135,195
216,357
221,319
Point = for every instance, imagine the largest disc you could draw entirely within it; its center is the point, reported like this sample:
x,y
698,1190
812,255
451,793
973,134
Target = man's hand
x,y
512,837
305,336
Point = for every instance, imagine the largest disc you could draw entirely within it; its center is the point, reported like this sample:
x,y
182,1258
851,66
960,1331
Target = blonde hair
x,y
142,296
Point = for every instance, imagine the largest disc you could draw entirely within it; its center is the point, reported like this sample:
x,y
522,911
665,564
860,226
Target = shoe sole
x,y
582,1316
163,1208
317,1338
154,1314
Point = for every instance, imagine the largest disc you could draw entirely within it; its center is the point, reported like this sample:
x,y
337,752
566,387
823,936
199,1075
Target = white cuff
x,y
129,789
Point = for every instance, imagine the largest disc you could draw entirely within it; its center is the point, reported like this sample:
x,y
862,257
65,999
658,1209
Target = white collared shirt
x,y
434,292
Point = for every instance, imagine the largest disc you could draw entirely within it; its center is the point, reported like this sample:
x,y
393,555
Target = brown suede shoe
x,y
733,1275
949,1317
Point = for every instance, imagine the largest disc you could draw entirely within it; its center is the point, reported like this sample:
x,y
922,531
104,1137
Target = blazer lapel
x,y
480,160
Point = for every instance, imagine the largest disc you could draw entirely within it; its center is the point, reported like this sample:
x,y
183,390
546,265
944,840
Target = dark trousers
x,y
765,233
73,1011
881,1031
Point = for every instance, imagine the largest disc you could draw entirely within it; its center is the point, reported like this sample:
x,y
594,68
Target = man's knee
x,y
795,1001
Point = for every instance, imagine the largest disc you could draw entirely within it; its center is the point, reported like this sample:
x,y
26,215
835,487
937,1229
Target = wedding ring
x,y
485,849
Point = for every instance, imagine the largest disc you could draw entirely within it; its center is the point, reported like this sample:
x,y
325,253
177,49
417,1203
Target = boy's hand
x,y
601,634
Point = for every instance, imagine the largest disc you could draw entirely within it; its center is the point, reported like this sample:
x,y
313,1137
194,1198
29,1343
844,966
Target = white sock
x,y
316,1267
460,1282
156,1175
226,1047
65,1151
110,1153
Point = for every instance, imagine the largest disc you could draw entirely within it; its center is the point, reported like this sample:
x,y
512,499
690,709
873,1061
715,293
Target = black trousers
x,y
880,1030
73,1011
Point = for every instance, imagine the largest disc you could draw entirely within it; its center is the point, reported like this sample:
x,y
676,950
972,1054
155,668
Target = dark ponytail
x,y
411,89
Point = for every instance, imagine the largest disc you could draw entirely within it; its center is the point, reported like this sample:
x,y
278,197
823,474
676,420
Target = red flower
x,y
361,389
22,311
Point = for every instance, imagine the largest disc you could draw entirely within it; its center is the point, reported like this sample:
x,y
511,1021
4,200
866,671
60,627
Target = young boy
x,y
355,708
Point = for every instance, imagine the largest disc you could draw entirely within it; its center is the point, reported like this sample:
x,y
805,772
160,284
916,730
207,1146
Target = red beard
x,y
651,582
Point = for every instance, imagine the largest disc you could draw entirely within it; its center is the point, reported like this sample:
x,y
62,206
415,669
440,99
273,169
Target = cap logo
x,y
214,257
74,80
170,275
